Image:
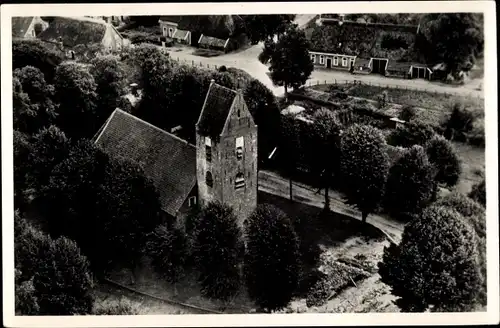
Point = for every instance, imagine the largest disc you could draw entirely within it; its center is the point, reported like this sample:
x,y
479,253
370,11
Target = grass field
x,y
343,241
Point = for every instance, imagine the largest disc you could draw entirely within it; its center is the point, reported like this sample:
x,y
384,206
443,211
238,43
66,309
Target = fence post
x,y
193,63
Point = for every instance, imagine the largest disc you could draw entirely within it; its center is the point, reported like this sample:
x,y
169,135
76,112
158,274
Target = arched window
x,y
239,182
209,179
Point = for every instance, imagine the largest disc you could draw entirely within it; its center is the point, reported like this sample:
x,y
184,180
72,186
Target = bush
x,y
26,302
478,192
445,160
121,307
222,68
459,123
467,208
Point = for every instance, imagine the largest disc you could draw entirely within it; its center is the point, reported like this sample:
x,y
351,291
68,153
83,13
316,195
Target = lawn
x,y
348,250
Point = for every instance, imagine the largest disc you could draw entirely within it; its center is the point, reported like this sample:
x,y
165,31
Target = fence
x,y
196,63
429,90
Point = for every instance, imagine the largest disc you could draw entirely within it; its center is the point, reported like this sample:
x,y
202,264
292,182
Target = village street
x,y
273,183
247,60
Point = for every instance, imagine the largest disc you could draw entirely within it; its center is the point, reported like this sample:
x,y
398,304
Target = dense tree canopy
x,y
435,266
457,39
37,54
76,93
32,100
364,165
412,133
263,27
410,184
217,249
478,192
91,194
271,258
53,276
291,65
109,75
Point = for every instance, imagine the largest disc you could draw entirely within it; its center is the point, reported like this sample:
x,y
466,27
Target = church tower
x,y
226,152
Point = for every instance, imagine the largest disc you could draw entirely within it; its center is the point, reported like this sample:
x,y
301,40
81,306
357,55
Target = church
x,y
222,166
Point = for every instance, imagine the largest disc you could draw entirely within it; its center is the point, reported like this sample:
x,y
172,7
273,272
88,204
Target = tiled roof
x,y
74,31
180,34
398,66
210,40
167,160
20,25
215,110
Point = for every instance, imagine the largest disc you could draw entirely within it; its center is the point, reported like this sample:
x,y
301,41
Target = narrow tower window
x,y
208,149
239,182
239,147
209,179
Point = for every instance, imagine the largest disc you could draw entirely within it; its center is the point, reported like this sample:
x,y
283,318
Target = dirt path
x,y
273,183
247,60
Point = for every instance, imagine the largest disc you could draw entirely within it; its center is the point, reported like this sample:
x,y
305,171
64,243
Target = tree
x,y
76,93
53,277
478,192
109,75
467,208
410,183
48,148
412,133
289,147
32,100
22,150
435,266
266,114
264,27
459,123
63,281
383,100
445,160
291,65
325,149
456,39
108,198
167,248
272,258
37,54
364,166
216,251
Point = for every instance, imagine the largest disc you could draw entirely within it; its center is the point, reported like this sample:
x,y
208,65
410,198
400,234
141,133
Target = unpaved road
x,y
247,60
275,184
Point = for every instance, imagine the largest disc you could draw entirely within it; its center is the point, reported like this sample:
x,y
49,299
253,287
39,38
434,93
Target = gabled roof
x,y
171,19
75,31
167,160
20,25
180,34
215,110
210,40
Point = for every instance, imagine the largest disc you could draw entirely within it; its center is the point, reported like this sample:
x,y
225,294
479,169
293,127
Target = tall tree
x,y
76,93
443,157
289,147
364,165
216,251
271,259
325,149
22,151
457,39
410,183
435,266
32,100
109,75
263,27
291,65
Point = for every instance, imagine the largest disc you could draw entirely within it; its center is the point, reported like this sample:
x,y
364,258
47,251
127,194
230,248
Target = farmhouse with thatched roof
x,y
74,34
28,27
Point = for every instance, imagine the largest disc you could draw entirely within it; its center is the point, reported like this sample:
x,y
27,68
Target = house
x,y
209,42
170,28
362,66
222,166
332,60
27,27
74,34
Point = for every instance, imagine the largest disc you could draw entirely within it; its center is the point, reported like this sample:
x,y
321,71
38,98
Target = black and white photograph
x,y
273,161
